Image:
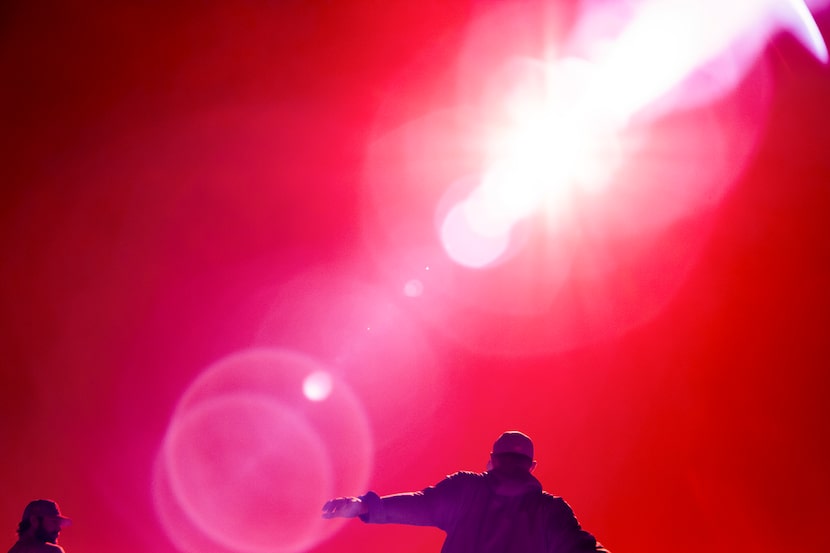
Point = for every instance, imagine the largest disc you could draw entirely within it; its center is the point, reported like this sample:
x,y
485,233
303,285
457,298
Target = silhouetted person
x,y
39,528
503,510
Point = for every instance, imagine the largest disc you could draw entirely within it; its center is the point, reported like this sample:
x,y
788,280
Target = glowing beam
x,y
668,40
796,18
564,118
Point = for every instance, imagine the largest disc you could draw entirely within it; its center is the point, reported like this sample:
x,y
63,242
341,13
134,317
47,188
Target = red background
x,y
162,165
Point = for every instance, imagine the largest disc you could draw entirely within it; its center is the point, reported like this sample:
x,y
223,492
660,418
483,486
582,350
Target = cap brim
x,y
64,522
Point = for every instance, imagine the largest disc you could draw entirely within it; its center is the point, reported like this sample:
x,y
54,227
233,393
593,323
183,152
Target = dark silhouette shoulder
x,y
34,546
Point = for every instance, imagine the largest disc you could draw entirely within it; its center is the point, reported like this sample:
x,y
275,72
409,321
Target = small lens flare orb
x,y
413,288
317,386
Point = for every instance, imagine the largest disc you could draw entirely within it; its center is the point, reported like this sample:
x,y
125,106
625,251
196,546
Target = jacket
x,y
492,512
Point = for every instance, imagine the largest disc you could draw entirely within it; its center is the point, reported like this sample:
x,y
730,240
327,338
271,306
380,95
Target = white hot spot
x,y
317,386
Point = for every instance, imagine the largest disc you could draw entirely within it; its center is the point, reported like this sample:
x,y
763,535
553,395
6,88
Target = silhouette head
x,y
512,450
42,519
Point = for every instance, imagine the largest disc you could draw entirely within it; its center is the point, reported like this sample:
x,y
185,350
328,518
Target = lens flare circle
x,y
247,459
218,456
413,288
470,241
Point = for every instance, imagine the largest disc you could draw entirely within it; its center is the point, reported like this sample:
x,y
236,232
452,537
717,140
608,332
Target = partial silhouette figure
x,y
39,527
502,510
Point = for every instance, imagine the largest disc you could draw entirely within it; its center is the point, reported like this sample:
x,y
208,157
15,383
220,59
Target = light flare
x,y
565,119
593,241
796,17
465,244
413,288
317,386
246,460
544,154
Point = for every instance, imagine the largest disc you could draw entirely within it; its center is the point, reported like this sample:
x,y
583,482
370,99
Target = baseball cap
x,y
45,508
514,441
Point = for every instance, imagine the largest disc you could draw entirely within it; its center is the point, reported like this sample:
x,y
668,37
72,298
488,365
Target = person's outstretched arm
x,y
344,507
433,506
402,508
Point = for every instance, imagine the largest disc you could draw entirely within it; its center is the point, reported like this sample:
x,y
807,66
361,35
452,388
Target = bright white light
x,y
552,146
666,41
561,123
317,386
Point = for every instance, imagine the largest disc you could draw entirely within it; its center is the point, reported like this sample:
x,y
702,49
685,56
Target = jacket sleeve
x,y
433,506
565,533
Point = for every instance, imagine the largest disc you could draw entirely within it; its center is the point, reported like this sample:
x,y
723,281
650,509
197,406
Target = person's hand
x,y
344,507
